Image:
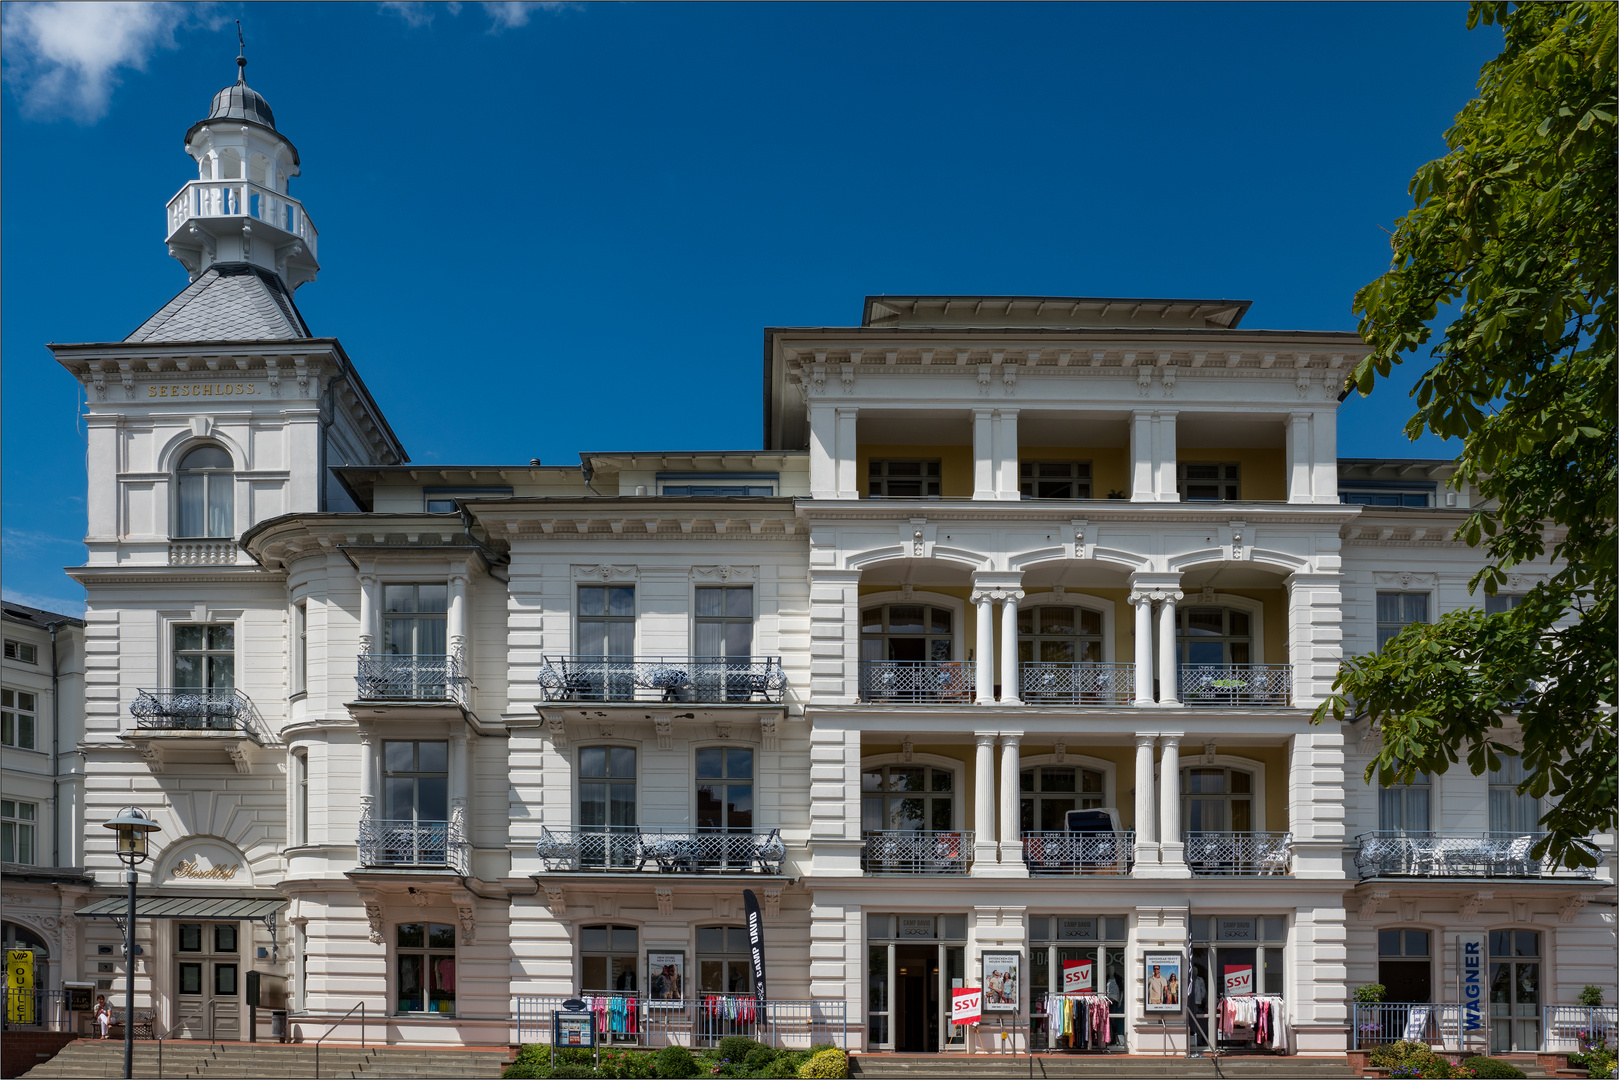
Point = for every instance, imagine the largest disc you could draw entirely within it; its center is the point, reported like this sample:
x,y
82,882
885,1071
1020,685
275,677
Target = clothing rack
x,y
1262,1017
616,1014
1084,1020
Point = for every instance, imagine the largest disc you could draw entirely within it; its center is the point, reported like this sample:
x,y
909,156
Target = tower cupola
x,y
239,209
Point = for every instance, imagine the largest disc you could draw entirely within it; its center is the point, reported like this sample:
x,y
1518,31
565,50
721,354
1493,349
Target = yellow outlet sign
x,y
19,980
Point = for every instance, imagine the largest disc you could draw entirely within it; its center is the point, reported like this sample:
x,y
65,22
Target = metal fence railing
x,y
1042,683
1079,853
1241,854
633,849
1384,1022
653,1023
1568,1029
902,851
699,679
184,708
916,682
1428,854
411,677
385,843
1234,685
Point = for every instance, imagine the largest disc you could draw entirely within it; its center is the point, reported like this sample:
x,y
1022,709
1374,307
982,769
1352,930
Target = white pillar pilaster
x,y
368,613
983,453
984,648
1171,848
1164,455
1009,661
1142,453
1006,452
1324,456
986,852
456,617
1010,792
823,450
460,785
848,449
1300,447
1143,648
1146,813
1168,654
368,777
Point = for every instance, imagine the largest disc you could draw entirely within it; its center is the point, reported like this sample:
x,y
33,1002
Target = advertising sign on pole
x,y
19,979
1076,976
1000,981
756,944
966,1005
1472,954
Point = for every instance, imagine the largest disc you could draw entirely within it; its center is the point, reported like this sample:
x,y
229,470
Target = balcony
x,y
406,845
908,851
1076,683
243,198
1079,853
1239,854
727,680
1430,855
633,850
1230,686
916,682
199,709
433,677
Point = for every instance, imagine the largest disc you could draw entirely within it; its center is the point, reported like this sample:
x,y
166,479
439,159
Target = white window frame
x,y
958,780
958,613
15,650
697,781
17,712
1079,600
300,648
635,617
1432,613
177,459
15,823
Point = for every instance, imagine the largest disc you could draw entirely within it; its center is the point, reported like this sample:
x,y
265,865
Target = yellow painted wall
x,y
1123,760
1110,465
1264,469
955,465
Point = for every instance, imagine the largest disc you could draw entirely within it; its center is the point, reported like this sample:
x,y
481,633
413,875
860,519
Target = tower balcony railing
x,y
699,679
1076,683
1430,854
918,851
1237,685
201,709
411,677
1239,854
916,682
633,849
1079,853
243,198
400,844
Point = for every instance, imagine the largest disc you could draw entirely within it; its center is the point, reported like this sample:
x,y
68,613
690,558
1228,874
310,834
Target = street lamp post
x,y
131,826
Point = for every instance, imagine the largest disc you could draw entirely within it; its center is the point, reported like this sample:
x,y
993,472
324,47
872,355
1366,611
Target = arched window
x,y
207,494
1216,799
1214,636
1050,791
1059,634
905,632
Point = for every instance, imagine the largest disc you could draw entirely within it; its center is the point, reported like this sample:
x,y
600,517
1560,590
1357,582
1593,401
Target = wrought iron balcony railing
x,y
1237,685
401,844
1490,854
905,851
1079,853
1044,683
632,849
411,677
184,708
1239,854
916,682
699,679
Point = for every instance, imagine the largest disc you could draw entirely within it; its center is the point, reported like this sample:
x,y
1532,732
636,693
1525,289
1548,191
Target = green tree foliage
x,y
1514,230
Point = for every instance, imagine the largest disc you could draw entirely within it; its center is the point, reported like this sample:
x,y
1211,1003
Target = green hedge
x,y
734,1056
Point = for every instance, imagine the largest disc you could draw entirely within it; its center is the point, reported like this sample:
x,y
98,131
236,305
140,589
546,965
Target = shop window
x,y
1228,954
723,960
1077,955
1404,964
426,964
1515,998
609,957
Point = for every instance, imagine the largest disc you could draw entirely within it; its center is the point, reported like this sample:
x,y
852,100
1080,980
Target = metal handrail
x,y
1396,853
410,677
335,1025
208,1012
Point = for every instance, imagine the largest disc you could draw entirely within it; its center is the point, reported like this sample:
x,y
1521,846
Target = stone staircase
x,y
185,1060
1110,1066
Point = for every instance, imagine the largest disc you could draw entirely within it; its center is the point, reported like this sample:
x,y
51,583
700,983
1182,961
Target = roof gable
x,y
227,302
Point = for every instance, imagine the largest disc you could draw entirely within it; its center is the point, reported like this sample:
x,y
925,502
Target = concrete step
x,y
1076,1067
93,1059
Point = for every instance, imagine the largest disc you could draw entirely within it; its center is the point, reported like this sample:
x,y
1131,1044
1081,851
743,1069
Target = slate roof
x,y
229,302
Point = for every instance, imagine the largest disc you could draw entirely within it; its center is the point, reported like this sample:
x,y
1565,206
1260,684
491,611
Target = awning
x,y
184,907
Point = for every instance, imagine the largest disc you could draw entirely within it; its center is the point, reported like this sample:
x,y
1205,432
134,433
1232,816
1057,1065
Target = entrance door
x,y
208,980
916,1001
1514,991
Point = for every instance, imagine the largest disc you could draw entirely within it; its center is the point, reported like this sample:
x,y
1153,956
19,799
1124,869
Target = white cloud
x,y
14,541
515,13
415,13
65,59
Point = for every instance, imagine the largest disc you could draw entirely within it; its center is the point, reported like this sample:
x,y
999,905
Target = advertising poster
x,y
1239,979
1163,980
1002,970
966,1005
1076,976
665,979
573,1030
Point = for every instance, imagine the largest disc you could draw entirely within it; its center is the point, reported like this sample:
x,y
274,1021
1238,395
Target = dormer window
x,y
207,494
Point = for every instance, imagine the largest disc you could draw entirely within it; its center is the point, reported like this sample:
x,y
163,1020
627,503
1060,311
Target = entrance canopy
x,y
258,909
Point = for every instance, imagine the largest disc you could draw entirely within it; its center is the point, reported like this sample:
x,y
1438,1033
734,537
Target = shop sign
x,y
1470,959
1076,976
1076,929
966,1005
916,926
1236,930
19,978
1239,979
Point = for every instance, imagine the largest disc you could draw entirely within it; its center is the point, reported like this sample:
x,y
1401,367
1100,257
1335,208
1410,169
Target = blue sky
x,y
554,228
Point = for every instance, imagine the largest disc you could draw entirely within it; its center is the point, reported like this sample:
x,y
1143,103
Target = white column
x,y
983,453
368,778
1164,453
1324,456
1171,848
985,851
1006,452
1146,812
368,613
1009,672
848,450
460,789
1010,793
1143,650
456,618
1141,457
1168,658
984,650
823,451
1300,446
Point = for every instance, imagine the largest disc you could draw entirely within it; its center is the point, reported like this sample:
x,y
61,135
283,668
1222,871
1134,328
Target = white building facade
x,y
999,656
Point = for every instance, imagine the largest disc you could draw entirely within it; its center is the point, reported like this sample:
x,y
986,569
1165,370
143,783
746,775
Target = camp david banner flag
x,y
1472,956
756,943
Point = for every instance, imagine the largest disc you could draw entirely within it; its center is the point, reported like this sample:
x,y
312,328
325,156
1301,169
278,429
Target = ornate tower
x,y
238,210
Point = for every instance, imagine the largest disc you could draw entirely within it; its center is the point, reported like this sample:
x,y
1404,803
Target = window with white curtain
x,y
207,493
1404,807
1511,812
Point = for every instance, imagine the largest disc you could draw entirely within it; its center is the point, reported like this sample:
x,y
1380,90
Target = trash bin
x,y
278,1024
